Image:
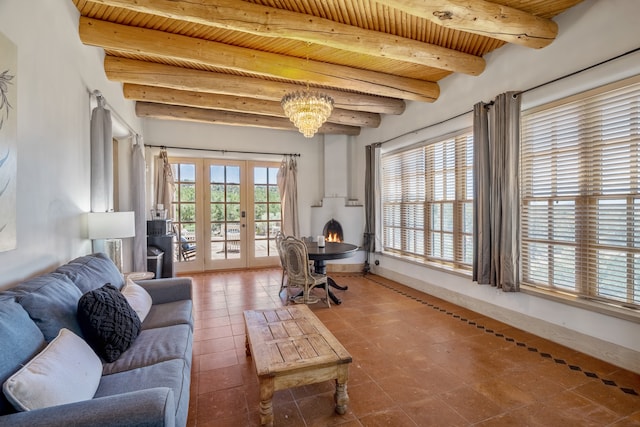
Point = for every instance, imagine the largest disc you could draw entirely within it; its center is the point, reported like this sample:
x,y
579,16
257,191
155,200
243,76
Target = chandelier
x,y
307,110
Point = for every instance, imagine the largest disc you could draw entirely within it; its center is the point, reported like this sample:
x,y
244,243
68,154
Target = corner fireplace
x,y
333,231
336,201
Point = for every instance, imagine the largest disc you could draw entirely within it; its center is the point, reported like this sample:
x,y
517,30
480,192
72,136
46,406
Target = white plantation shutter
x,y
580,188
427,201
464,182
403,182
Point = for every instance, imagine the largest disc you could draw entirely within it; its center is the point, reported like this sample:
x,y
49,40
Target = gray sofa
x,y
148,385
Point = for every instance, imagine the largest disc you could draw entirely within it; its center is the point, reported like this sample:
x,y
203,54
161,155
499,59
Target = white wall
x,y
207,136
589,33
55,74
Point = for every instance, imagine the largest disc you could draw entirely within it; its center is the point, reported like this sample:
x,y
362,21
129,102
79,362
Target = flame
x,y
333,237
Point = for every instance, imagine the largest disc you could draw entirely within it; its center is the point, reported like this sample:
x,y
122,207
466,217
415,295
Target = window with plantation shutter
x,y
580,189
427,202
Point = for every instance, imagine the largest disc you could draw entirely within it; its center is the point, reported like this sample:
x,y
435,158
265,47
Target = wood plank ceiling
x,y
231,61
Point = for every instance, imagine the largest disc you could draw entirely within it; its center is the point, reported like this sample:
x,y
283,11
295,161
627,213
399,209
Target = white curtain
x,y
138,205
164,183
101,159
496,197
288,186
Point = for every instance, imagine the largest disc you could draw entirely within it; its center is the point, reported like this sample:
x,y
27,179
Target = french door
x,y
225,214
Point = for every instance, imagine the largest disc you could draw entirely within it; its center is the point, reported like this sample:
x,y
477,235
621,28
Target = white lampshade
x,y
111,225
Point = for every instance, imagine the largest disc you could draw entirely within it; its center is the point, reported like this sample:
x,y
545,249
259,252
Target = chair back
x,y
279,239
187,249
296,259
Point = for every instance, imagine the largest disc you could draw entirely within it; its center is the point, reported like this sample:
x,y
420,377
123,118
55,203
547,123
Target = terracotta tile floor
x,y
417,361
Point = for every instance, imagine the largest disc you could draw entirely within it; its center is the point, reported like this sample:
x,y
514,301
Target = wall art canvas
x,y
8,142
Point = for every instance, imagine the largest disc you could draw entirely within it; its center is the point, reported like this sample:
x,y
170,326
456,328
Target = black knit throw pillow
x,y
108,322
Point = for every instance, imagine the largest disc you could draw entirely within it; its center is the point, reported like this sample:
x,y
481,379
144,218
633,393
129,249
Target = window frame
x,y
408,214
593,188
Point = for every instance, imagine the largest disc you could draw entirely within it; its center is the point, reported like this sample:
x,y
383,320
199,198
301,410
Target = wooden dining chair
x,y
296,262
279,238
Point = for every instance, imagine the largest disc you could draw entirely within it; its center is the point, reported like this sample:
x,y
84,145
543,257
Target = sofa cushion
x,y
20,340
66,371
171,313
138,298
51,301
108,322
175,374
154,346
90,272
168,289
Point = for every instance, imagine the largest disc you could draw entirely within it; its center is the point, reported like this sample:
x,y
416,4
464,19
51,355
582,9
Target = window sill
x,y
629,314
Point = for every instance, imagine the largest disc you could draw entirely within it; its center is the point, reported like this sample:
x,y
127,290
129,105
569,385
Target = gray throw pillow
x,y
51,301
20,340
92,271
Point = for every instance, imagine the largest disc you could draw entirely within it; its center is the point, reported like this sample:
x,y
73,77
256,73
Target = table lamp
x,y
112,227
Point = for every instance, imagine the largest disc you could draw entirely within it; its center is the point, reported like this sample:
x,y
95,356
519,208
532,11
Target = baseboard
x,y
345,268
604,350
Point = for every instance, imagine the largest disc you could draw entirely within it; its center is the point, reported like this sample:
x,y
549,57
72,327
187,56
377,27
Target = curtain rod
x,y
99,96
223,151
520,93
580,71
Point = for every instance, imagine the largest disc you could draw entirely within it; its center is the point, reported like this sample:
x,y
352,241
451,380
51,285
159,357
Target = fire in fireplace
x,y
333,231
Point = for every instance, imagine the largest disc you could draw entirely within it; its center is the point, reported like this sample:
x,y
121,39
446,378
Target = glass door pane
x,y
185,212
227,215
266,217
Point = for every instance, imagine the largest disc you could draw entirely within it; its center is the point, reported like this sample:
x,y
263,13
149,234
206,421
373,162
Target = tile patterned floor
x,y
417,361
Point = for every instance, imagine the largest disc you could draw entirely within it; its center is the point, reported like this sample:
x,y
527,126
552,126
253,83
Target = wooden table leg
x,y
266,401
341,396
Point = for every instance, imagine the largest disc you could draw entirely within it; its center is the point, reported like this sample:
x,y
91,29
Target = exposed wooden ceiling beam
x,y
271,22
133,40
484,18
173,112
237,104
147,73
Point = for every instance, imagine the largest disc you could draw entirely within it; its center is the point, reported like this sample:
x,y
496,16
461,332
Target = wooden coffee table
x,y
291,347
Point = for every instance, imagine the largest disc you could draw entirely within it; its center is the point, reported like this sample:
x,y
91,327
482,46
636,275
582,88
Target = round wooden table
x,y
332,250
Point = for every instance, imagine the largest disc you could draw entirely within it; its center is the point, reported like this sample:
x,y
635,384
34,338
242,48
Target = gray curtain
x,y
372,153
496,136
164,183
288,186
138,204
101,158
481,218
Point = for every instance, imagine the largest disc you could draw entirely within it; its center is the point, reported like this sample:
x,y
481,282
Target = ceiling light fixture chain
x,y
307,110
